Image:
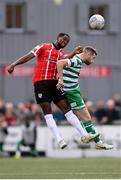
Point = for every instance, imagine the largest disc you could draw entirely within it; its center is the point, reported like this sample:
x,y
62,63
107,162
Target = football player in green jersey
x,y
68,73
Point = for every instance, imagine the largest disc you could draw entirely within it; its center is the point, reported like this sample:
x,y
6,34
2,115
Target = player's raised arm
x,y
77,50
27,57
60,65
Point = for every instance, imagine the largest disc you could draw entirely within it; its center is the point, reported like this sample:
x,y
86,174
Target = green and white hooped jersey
x,y
71,73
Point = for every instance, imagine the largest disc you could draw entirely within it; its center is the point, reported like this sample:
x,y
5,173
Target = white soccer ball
x,y
96,21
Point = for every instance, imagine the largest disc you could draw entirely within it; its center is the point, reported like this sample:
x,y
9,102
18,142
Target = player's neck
x,y
57,46
82,57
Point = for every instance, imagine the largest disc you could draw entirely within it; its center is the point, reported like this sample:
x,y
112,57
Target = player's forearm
x,y
77,50
60,67
70,55
23,59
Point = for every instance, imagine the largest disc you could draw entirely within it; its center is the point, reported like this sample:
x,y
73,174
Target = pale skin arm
x,y
60,65
27,57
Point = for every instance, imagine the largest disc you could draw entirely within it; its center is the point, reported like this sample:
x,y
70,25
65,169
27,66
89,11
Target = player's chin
x,y
63,45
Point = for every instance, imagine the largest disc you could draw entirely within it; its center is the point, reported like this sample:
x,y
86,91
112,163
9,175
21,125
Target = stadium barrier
x,y
46,143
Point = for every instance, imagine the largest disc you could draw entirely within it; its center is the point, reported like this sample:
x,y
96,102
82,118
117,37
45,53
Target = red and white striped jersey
x,y
47,57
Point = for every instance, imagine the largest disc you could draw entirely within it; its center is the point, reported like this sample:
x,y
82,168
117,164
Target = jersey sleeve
x,y
37,50
62,55
69,62
75,61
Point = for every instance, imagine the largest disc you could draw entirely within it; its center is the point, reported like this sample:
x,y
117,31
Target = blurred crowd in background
x,y
29,115
102,112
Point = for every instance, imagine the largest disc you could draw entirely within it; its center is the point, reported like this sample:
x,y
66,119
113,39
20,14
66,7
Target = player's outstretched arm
x,y
77,50
27,57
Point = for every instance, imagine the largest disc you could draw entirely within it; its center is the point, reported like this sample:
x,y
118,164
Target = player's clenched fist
x,y
78,49
10,68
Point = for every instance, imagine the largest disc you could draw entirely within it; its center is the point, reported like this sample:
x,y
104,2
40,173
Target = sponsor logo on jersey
x,y
73,104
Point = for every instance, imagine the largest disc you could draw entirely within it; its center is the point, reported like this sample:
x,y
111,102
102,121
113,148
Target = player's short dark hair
x,y
63,34
91,50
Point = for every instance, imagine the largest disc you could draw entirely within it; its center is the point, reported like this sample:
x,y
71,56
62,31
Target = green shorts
x,y
74,99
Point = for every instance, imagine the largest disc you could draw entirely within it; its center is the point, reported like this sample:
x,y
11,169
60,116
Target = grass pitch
x,y
47,168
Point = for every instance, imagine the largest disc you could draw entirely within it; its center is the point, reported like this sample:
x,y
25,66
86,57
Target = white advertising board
x,y
110,134
46,142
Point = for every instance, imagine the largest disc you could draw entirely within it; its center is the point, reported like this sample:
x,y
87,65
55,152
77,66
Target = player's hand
x,y
78,50
60,84
10,68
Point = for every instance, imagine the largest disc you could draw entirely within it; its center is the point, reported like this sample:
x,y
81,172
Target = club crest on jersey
x,y
40,95
61,54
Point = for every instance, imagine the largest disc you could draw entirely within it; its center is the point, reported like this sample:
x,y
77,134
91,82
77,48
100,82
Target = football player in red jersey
x,y
45,81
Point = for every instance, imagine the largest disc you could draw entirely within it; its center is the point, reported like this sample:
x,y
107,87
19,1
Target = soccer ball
x,y
96,21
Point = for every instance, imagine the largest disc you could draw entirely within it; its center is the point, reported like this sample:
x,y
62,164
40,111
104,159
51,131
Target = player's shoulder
x,y
48,45
77,58
45,44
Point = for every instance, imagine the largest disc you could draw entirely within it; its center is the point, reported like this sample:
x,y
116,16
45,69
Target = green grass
x,y
47,168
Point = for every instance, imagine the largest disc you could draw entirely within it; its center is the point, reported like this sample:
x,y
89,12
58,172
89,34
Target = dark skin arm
x,y
77,50
27,57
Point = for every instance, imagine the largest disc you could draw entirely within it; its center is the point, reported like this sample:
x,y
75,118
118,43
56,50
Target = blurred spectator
x,y
2,107
57,114
90,107
10,117
28,137
2,111
3,125
112,112
117,100
101,112
20,111
37,114
3,134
